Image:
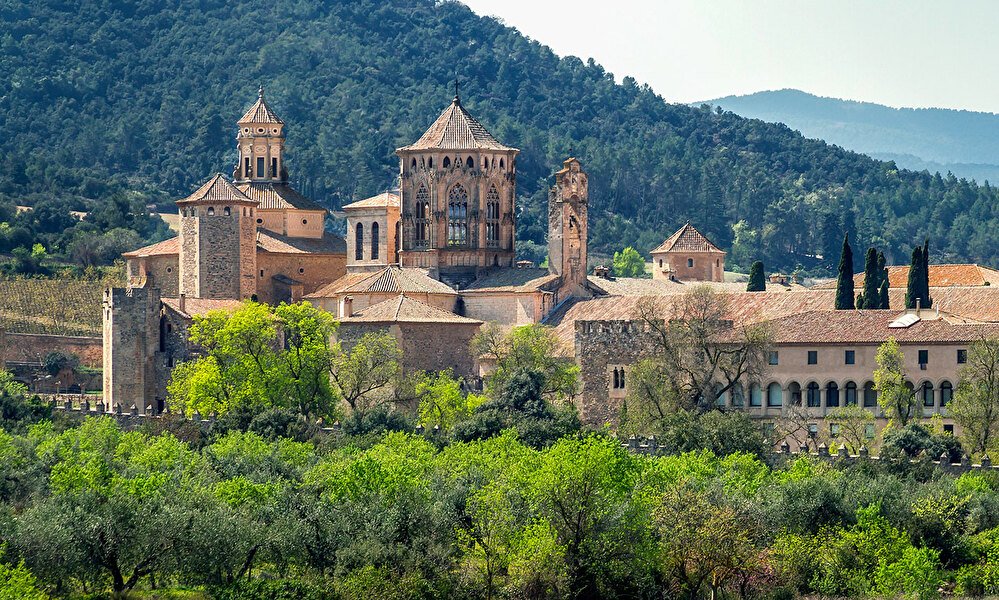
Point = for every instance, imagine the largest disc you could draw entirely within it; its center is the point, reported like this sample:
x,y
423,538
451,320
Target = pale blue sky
x,y
916,53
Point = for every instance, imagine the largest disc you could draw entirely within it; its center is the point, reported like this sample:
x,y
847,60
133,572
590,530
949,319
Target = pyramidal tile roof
x,y
383,199
687,239
403,309
277,195
216,189
260,112
167,247
390,279
455,129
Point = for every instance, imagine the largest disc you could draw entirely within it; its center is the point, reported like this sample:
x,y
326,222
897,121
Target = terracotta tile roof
x,y
330,243
165,248
687,239
506,279
200,306
871,327
260,113
633,286
217,189
392,279
403,309
383,199
455,129
277,195
940,276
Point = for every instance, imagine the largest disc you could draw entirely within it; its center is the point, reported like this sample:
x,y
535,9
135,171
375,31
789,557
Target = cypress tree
x,y
927,301
912,288
872,280
860,301
883,294
883,281
757,282
844,284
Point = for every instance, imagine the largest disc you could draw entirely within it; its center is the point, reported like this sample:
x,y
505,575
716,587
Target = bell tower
x,y
260,143
567,225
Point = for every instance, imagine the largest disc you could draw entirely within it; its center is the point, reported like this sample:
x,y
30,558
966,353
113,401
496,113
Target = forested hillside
x,y
960,141
97,97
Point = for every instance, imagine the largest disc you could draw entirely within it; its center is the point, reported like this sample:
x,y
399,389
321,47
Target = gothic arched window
x,y
457,216
469,162
359,242
422,218
447,162
492,217
374,241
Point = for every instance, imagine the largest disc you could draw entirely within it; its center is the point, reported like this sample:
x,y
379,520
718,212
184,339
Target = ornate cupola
x,y
260,143
458,190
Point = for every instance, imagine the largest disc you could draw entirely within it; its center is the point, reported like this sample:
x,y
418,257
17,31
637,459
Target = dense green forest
x,y
137,100
961,141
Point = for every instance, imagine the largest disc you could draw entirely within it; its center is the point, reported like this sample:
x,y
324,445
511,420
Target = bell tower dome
x,y
260,143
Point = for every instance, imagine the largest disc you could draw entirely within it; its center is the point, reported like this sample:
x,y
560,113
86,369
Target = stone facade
x,y
567,227
310,270
449,349
131,327
218,256
32,348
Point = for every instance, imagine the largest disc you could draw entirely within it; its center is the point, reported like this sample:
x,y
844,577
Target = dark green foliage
x,y
844,282
883,299
925,287
723,433
914,290
145,111
872,280
757,279
915,439
55,362
521,406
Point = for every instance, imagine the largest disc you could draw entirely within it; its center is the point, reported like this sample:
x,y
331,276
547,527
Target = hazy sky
x,y
917,53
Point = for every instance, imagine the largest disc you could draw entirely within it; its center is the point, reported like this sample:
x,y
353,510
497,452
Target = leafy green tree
x,y
17,583
532,348
757,279
442,401
629,263
366,377
844,281
852,421
897,399
975,407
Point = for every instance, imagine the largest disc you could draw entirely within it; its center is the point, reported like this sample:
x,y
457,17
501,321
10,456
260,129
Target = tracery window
x,y
422,218
492,217
457,216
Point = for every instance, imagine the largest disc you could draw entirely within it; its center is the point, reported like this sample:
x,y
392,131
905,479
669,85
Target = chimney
x,y
348,306
918,306
602,271
183,303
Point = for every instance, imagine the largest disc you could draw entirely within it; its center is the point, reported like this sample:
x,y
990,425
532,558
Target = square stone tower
x,y
567,227
218,242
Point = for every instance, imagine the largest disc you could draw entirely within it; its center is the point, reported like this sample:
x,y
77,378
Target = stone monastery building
x,y
435,260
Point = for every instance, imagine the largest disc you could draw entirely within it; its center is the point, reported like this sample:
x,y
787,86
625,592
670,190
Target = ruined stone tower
x,y
567,224
218,242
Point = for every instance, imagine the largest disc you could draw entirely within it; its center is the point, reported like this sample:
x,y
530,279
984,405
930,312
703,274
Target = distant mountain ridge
x,y
936,139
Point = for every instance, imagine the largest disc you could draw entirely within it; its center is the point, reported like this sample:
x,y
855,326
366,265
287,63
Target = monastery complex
x,y
435,260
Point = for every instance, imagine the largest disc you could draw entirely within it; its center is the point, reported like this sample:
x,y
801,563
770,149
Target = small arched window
x,y
430,162
412,165
946,393
617,381
211,211
851,393
447,162
928,399
870,395
374,241
690,262
359,242
775,396
227,211
469,163
813,395
501,163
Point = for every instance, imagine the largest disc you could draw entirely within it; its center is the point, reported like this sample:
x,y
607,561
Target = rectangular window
x,y
851,357
246,167
813,357
924,357
834,429
949,429
813,430
274,172
260,166
962,356
869,431
774,358
755,395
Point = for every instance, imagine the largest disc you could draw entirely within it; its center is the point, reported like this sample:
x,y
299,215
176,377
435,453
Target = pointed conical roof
x,y
687,239
455,129
260,113
219,190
